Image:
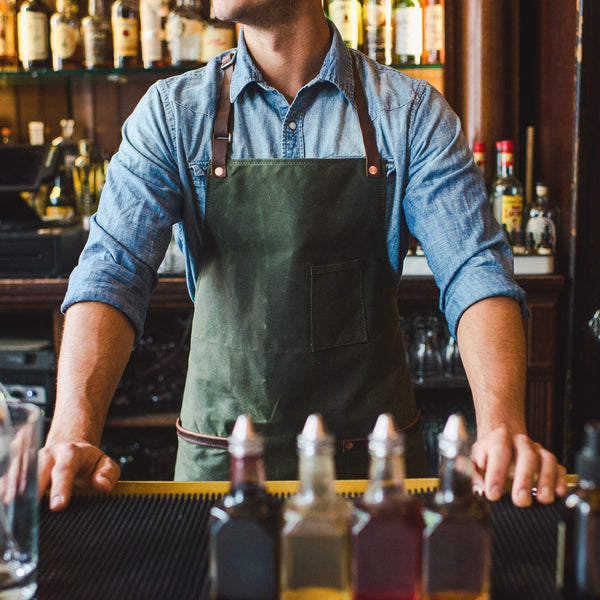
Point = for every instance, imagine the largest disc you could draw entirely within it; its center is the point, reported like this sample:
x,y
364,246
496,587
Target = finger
x,y
527,465
547,478
499,457
106,474
45,464
561,481
479,459
63,475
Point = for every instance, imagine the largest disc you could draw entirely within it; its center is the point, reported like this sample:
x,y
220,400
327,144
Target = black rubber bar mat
x,y
130,547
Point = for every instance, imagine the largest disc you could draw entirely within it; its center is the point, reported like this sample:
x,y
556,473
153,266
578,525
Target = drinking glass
x,y
20,424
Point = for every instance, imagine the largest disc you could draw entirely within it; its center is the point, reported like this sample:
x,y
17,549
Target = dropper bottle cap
x,y
244,441
385,439
314,439
454,439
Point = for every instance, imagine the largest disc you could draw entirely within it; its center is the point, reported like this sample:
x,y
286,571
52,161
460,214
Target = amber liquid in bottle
x,y
457,542
125,20
33,33
65,37
315,536
244,529
388,525
434,45
8,36
96,32
378,24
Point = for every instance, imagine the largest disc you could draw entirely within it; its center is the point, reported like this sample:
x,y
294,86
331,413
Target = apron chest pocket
x,y
337,310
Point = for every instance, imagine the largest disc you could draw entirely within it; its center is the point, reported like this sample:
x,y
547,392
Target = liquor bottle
x,y
33,34
153,18
433,32
479,156
96,32
244,527
315,534
378,27
581,525
541,219
62,201
66,143
217,37
387,525
65,38
347,17
457,542
185,26
507,191
9,60
85,170
125,21
409,32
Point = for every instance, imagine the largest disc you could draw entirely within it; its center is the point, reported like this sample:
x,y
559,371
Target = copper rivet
x,y
349,445
219,171
373,170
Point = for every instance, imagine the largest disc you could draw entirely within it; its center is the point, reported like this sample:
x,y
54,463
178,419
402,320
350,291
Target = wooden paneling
x,y
483,70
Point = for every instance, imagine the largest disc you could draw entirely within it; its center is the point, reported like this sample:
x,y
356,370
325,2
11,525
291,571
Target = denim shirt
x,y
157,179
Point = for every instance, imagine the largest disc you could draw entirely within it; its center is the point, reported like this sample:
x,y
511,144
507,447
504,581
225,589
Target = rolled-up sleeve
x,y
448,211
131,230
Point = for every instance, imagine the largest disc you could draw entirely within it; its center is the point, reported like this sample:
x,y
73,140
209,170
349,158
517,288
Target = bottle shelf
x,y
19,76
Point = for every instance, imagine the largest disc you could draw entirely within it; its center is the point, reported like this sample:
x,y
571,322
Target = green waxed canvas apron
x,y
295,311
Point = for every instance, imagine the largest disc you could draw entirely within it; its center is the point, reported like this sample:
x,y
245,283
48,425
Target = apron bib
x,y
295,312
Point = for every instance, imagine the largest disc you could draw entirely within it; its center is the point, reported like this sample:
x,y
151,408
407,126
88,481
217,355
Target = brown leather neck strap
x,y
366,126
222,127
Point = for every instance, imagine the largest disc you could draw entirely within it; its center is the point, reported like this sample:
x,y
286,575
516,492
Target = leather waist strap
x,y
200,439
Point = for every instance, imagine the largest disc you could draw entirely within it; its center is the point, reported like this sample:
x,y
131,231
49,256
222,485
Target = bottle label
x,y
540,225
216,40
63,40
346,14
152,32
512,212
32,35
434,27
96,47
7,34
185,39
126,37
409,31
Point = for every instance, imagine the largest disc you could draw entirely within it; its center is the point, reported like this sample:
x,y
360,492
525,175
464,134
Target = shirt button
x,y
292,125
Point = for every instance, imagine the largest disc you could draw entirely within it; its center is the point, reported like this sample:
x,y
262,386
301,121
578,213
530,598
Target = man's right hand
x,y
62,465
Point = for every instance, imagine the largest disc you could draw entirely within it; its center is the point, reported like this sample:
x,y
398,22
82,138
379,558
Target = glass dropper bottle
x,y
457,541
315,534
244,529
388,524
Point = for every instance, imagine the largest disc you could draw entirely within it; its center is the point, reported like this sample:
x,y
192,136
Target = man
x,y
293,264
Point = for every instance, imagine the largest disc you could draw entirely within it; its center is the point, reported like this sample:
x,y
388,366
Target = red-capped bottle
x,y
507,192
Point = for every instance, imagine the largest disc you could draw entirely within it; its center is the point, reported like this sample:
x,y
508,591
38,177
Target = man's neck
x,y
291,55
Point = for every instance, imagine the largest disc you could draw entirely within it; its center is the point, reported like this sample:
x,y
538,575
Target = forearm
x,y
491,341
95,347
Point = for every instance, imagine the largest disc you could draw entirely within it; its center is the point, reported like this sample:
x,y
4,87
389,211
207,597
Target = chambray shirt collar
x,y
336,68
